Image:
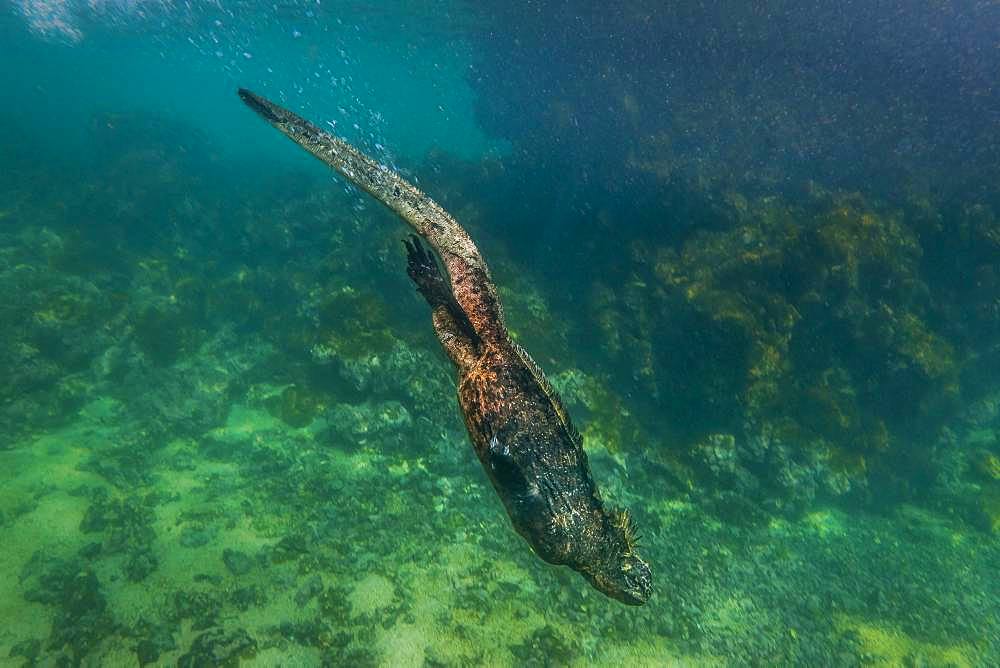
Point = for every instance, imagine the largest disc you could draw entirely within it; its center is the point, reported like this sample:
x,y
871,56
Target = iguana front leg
x,y
451,324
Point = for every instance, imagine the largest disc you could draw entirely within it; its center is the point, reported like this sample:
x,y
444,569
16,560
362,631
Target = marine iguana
x,y
517,424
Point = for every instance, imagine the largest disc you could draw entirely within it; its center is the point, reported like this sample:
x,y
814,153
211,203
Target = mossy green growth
x,y
812,316
606,422
353,323
64,308
530,320
171,323
160,334
988,508
986,464
295,406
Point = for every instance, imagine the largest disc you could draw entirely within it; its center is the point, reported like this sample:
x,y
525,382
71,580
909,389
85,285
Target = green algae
x,y
480,585
294,406
164,331
219,456
989,510
604,416
353,323
812,322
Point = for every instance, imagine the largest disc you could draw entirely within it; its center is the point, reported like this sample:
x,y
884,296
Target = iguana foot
x,y
423,270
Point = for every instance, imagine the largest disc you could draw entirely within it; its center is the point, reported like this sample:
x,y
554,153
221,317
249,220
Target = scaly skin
x,y
522,434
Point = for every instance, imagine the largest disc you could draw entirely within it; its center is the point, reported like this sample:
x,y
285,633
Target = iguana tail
x,y
470,278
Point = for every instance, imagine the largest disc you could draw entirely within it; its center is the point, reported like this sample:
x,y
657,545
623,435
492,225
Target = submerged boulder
x,y
218,647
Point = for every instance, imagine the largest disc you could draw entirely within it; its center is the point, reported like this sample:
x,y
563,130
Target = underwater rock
x,y
202,607
385,424
245,598
162,333
195,394
405,373
218,647
126,464
313,633
146,652
607,421
54,330
237,562
987,465
289,548
196,535
80,620
139,564
757,474
966,466
91,550
27,649
125,522
719,455
295,406
312,588
987,511
353,323
41,391
335,606
807,319
361,657
158,639
544,647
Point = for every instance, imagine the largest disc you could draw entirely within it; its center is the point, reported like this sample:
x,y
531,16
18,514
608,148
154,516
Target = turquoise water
x,y
756,252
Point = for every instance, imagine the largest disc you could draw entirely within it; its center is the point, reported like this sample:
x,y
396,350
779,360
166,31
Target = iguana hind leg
x,y
451,324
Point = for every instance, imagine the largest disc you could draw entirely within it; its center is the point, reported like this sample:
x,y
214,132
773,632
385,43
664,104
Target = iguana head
x,y
620,573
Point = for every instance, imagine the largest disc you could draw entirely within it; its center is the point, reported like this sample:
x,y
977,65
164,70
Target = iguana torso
x,y
521,433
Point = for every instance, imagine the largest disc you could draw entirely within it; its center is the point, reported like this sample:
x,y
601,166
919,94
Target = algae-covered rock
x,y
810,322
351,323
140,564
603,417
987,515
81,617
162,334
310,589
384,425
126,525
194,394
237,562
196,535
417,377
545,647
218,647
202,607
27,649
55,326
295,406
156,639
